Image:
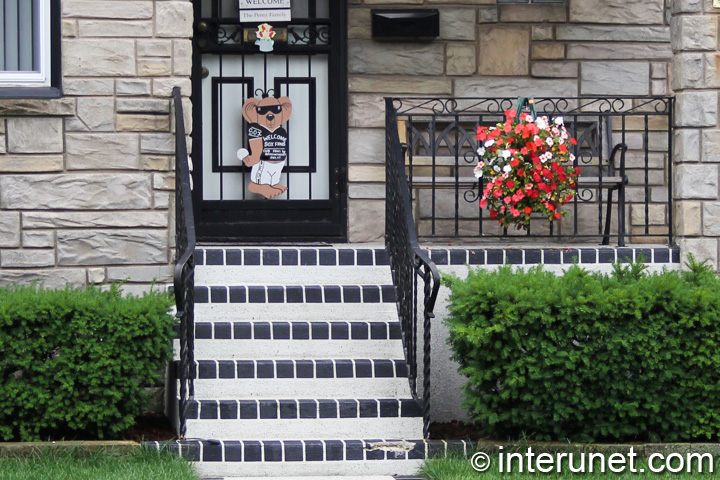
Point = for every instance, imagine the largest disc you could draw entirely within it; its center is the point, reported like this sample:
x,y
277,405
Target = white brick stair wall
x,y
300,368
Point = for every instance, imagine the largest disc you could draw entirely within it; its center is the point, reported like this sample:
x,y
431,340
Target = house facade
x,y
88,159
87,178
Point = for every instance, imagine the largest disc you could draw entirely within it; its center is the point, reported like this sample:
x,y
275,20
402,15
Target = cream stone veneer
x,y
578,47
86,181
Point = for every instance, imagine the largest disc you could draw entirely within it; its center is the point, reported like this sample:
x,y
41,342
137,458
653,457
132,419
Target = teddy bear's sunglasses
x,y
269,109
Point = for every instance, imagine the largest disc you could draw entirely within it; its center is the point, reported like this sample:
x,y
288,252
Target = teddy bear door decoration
x,y
268,143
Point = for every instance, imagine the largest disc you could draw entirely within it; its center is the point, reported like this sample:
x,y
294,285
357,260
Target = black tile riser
x,y
291,257
330,294
552,256
288,369
303,409
298,331
308,450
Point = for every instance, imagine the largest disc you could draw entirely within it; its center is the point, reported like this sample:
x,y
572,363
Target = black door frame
x,y
278,220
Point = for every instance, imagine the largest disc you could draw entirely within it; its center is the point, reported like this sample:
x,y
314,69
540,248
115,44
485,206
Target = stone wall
x,y
579,47
696,80
86,180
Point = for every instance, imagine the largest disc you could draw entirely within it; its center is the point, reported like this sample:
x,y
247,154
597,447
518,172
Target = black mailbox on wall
x,y
406,23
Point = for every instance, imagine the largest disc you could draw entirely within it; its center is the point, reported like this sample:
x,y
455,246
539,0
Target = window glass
x,y
25,47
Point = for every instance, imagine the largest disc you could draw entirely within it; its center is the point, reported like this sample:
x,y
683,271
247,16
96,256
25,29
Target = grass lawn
x,y
76,465
457,468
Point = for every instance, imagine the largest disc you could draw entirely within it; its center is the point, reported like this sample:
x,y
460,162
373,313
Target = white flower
x,y
550,142
507,169
505,154
481,151
478,171
496,168
490,143
559,121
541,123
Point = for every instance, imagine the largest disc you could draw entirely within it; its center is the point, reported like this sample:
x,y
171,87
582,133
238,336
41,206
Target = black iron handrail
x,y
184,274
408,263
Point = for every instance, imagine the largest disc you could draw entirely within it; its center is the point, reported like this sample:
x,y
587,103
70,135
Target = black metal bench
x,y
594,138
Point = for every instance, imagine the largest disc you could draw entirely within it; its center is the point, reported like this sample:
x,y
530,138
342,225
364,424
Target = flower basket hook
x,y
527,101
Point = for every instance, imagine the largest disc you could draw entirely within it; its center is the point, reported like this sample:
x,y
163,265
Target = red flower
x,y
483,203
563,148
550,207
573,141
557,215
510,184
528,210
493,213
507,200
514,162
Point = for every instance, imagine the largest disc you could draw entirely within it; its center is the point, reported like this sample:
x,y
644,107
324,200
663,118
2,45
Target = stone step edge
x,y
303,409
302,369
298,294
288,330
289,256
551,256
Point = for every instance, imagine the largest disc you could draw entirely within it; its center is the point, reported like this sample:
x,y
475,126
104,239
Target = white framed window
x,y
26,47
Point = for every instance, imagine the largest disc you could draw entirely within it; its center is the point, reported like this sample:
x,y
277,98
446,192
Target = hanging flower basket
x,y
527,167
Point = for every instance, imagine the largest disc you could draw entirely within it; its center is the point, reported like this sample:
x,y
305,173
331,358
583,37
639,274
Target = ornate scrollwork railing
x,y
623,151
184,274
410,265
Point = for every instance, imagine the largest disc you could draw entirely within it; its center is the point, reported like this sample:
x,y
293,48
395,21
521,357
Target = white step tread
x,y
304,312
305,429
292,275
297,388
381,477
294,349
324,469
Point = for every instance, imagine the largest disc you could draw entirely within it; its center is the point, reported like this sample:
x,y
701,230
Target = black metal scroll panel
x,y
444,143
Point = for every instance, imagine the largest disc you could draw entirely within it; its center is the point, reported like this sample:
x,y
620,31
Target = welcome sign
x,y
265,11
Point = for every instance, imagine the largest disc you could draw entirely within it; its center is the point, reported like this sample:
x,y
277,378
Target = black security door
x,y
298,195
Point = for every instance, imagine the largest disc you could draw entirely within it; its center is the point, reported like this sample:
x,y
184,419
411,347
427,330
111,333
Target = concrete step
x,y
376,477
305,312
381,477
299,388
390,468
294,349
289,275
317,330
294,295
298,429
276,459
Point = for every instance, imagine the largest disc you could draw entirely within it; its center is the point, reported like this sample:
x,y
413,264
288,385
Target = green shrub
x,y
588,357
77,361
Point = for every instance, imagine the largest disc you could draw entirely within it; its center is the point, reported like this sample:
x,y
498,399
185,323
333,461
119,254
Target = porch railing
x,y
624,153
184,274
409,265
